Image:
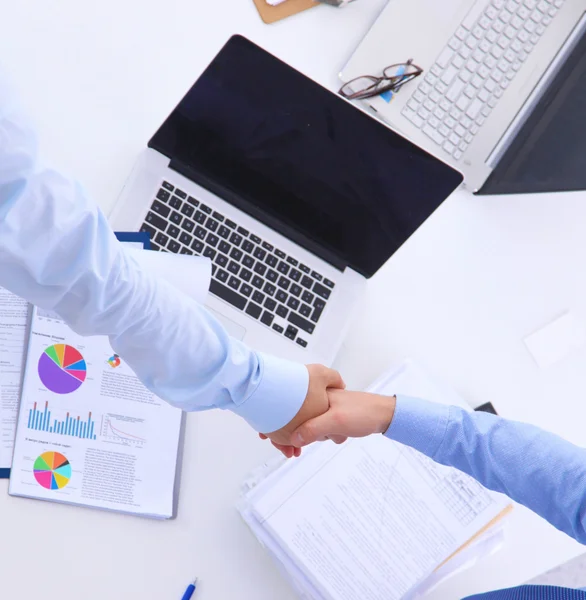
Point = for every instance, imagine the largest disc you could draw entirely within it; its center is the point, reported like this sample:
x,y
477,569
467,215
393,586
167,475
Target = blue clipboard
x,y
143,238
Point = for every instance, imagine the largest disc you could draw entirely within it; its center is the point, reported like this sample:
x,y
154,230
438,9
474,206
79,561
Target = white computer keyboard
x,y
470,75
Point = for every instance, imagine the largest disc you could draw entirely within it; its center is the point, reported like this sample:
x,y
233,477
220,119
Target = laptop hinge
x,y
248,207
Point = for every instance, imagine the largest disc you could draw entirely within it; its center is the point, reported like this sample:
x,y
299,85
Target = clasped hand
x,y
331,412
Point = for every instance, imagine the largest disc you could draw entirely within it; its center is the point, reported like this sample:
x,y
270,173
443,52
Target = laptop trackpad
x,y
233,329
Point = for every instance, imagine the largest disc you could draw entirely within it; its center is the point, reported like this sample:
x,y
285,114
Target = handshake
x,y
330,412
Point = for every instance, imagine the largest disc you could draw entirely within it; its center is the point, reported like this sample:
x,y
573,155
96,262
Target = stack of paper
x,y
371,519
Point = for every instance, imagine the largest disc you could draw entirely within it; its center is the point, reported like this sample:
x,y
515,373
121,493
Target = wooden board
x,y
271,14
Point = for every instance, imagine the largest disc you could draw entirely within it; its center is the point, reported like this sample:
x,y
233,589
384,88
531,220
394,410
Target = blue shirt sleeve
x,y
533,467
58,252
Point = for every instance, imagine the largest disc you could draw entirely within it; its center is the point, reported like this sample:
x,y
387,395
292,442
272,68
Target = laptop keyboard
x,y
247,272
472,72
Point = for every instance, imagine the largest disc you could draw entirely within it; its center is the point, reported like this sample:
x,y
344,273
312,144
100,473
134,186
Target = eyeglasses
x,y
393,79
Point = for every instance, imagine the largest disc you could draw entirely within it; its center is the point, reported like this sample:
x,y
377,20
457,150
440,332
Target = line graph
x,y
123,430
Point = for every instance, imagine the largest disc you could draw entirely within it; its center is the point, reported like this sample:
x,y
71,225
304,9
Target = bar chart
x,y
74,426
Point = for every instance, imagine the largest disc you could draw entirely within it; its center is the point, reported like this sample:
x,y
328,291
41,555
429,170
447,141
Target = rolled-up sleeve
x,y
57,251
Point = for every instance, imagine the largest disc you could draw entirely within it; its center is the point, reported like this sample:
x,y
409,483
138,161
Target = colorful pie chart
x,y
52,470
62,369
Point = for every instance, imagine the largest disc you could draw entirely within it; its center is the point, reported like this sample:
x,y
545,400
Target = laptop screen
x,y
296,156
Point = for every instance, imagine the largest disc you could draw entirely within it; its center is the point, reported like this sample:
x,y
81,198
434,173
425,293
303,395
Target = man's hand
x,y
316,403
351,414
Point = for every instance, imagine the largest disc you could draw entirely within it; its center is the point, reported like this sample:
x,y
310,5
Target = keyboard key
x,y
197,246
218,216
284,283
236,239
230,224
295,275
260,268
173,231
209,253
253,310
259,253
174,246
272,275
212,224
243,232
234,282
168,186
296,290
186,251
206,209
318,308
212,239
282,311
248,246
292,261
302,343
150,230
185,239
248,261
181,193
293,303
163,195
316,275
200,217
271,260
176,218
245,274
187,210
269,289
225,293
278,328
246,290
267,318
304,268
176,203
291,332
280,254
156,221
305,310
307,297
283,268
224,232
160,209
257,282
224,247
193,201
281,296
236,254
258,297
307,282
300,322
267,246
161,239
222,275
270,304
155,247
233,267
200,232
188,225
255,239
221,260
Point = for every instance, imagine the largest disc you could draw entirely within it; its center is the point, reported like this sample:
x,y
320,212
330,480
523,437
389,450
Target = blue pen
x,y
190,590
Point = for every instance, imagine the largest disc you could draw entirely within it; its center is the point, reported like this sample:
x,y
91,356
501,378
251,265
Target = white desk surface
x,y
459,297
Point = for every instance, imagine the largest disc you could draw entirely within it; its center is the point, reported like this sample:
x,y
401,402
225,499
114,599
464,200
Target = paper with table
x,y
370,519
111,442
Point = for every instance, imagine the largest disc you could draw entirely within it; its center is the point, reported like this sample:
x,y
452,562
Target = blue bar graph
x,y
72,426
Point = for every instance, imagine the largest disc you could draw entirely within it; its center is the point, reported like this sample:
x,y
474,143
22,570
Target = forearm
x,y
536,468
58,252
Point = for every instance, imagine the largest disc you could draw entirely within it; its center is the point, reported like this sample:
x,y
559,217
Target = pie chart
x,y
52,470
62,369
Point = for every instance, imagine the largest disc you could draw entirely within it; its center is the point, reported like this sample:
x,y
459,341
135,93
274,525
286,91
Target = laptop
x,y
502,94
295,195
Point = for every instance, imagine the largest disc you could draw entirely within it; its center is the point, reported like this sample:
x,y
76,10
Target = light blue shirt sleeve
x,y
533,467
58,252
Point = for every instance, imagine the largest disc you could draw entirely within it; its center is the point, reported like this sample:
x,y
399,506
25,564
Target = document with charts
x,y
89,433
